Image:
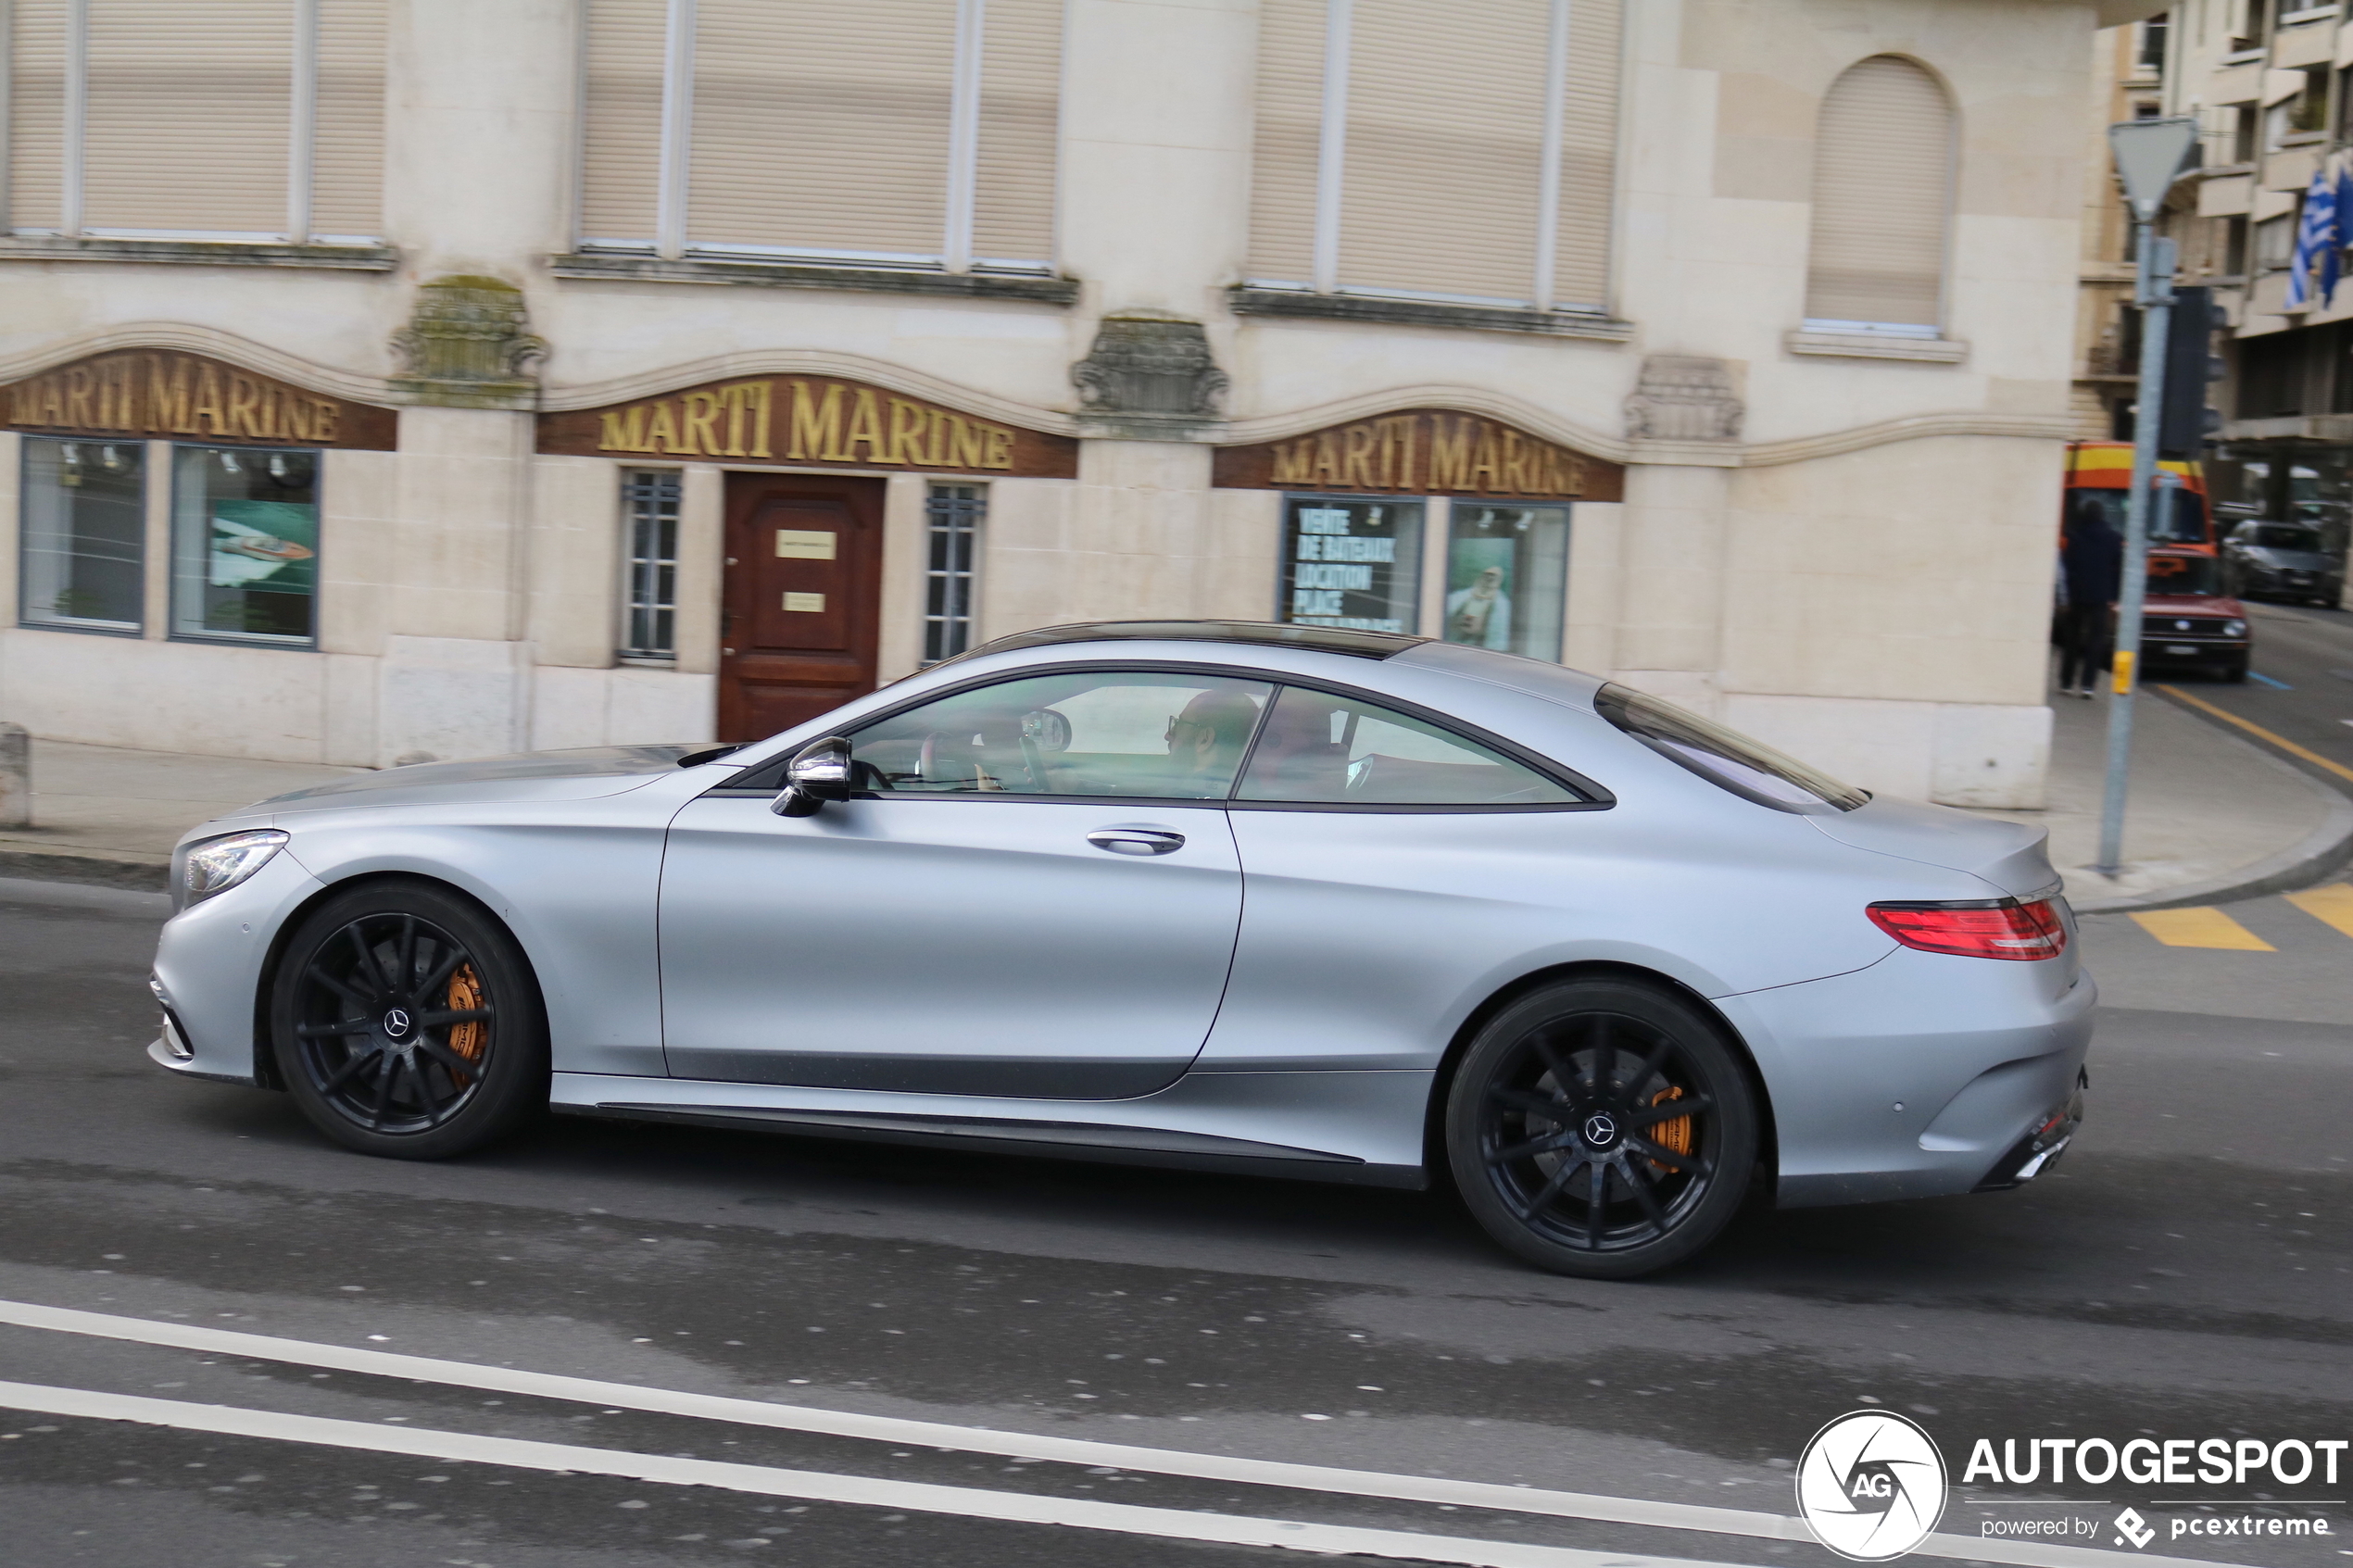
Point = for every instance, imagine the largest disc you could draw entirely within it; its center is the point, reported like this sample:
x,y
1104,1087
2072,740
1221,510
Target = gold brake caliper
x,y
470,1038
1674,1137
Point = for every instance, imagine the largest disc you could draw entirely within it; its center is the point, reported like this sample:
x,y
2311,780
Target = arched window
x,y
1883,201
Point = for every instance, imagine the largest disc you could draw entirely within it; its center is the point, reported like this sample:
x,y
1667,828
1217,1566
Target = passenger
x,y
1205,741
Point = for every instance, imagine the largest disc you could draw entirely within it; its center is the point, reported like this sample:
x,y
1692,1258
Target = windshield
x,y
1727,757
2179,576
2283,536
2179,518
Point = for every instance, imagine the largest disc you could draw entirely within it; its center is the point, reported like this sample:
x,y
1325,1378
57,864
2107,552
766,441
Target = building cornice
x,y
191,338
1913,427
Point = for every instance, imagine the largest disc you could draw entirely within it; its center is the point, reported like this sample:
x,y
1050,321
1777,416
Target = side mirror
x,y
818,773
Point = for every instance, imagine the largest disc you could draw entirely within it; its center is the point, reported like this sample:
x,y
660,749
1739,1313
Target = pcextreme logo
x,y
1870,1485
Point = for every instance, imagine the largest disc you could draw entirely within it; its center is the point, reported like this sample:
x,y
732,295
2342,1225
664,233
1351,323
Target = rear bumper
x,y
1921,1076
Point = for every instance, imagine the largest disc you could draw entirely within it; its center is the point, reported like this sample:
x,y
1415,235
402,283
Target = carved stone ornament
x,y
1683,397
465,346
1148,376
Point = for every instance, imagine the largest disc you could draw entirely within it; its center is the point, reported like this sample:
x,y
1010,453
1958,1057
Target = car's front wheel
x,y
407,1022
1602,1128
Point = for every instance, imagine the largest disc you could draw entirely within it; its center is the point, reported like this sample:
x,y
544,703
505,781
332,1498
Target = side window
x,y
1320,749
1120,732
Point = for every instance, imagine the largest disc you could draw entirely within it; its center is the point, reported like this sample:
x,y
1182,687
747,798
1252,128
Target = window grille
x,y
953,514
649,505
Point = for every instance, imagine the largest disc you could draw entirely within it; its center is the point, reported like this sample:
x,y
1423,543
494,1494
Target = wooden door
x,y
802,599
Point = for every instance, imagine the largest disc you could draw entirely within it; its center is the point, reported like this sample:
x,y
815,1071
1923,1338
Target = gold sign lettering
x,y
801,419
163,394
1423,453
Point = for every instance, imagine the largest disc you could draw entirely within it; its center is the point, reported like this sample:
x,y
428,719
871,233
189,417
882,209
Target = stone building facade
x,y
389,379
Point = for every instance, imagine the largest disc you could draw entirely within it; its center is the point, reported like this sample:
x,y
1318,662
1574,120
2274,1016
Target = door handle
x,y
1137,841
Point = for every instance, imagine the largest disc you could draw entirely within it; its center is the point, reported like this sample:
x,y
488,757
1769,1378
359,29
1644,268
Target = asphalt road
x,y
2301,688
2183,1274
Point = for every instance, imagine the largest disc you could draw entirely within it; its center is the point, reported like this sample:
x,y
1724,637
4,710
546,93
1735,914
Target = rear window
x,y
1723,757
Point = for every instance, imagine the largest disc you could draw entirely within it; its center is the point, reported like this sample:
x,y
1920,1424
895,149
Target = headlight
x,y
2234,628
218,864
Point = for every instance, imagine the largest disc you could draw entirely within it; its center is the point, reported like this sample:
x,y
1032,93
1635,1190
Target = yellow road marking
x,y
2332,905
2259,732
2201,928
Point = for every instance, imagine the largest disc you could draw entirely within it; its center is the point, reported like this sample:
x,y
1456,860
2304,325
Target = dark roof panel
x,y
1264,634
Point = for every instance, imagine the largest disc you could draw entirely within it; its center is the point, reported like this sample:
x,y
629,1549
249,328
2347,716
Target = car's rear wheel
x,y
1601,1128
407,1022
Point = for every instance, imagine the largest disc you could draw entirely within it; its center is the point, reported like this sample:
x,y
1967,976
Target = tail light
x,y
2004,929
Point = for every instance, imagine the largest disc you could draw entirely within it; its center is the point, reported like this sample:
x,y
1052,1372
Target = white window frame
x,y
642,571
302,142
673,169
958,508
1331,167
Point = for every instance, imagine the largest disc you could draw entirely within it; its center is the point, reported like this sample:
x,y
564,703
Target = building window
x,y
132,119
2234,248
953,520
2306,111
2150,57
2275,243
650,509
84,529
1471,161
824,131
1353,563
244,544
2244,124
1507,578
1883,170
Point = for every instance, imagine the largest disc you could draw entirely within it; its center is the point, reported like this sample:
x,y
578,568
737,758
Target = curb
x,y
2319,855
95,870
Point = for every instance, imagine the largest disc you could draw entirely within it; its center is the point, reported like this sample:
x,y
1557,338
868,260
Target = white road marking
x,y
1069,1450
916,1496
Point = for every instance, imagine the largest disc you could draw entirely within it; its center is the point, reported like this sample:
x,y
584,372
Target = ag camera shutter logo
x,y
1871,1485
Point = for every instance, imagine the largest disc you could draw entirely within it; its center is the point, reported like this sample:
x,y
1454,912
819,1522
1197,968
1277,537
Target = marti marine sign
x,y
1423,452
808,422
163,395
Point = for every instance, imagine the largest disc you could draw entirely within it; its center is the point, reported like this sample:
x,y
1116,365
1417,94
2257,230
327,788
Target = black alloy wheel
x,y
407,1022
1601,1128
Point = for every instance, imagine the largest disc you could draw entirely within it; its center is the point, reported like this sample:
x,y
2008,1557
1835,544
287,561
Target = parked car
x,y
2282,560
1305,901
2189,623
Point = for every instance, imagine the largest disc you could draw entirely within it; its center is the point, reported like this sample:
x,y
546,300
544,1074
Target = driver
x,y
1205,741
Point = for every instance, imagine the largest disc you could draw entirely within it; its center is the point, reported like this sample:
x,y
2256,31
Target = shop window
x,y
952,515
1506,578
808,128
84,561
650,512
1351,563
1883,168
244,544
1474,161
157,119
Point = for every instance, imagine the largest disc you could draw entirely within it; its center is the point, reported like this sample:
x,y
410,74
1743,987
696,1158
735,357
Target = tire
x,y
407,1024
1566,1086
2235,672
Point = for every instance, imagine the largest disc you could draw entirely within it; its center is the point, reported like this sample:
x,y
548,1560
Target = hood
x,y
2288,560
2193,603
531,775
2009,854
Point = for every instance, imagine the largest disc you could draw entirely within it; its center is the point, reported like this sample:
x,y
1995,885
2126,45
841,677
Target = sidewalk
x,y
2209,812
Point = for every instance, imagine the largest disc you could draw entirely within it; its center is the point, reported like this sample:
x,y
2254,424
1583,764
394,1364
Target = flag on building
x,y
2323,234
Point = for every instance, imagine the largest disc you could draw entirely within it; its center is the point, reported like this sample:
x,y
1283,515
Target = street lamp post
x,y
2149,154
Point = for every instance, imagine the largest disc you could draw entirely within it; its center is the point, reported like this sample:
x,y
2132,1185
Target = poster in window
x,y
266,545
1351,563
1506,570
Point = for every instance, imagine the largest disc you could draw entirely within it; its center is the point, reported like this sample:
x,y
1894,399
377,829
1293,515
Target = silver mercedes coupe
x,y
1304,901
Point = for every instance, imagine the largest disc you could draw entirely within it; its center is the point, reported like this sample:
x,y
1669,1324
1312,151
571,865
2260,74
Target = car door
x,y
1035,895
1390,865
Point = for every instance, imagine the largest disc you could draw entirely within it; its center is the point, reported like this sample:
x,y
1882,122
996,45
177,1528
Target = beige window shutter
x,y
1588,154
1289,119
1020,114
620,118
187,127
347,168
815,127
1882,197
1446,148
36,113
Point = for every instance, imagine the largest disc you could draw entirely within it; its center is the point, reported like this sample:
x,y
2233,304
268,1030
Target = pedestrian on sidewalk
x,y
2091,572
